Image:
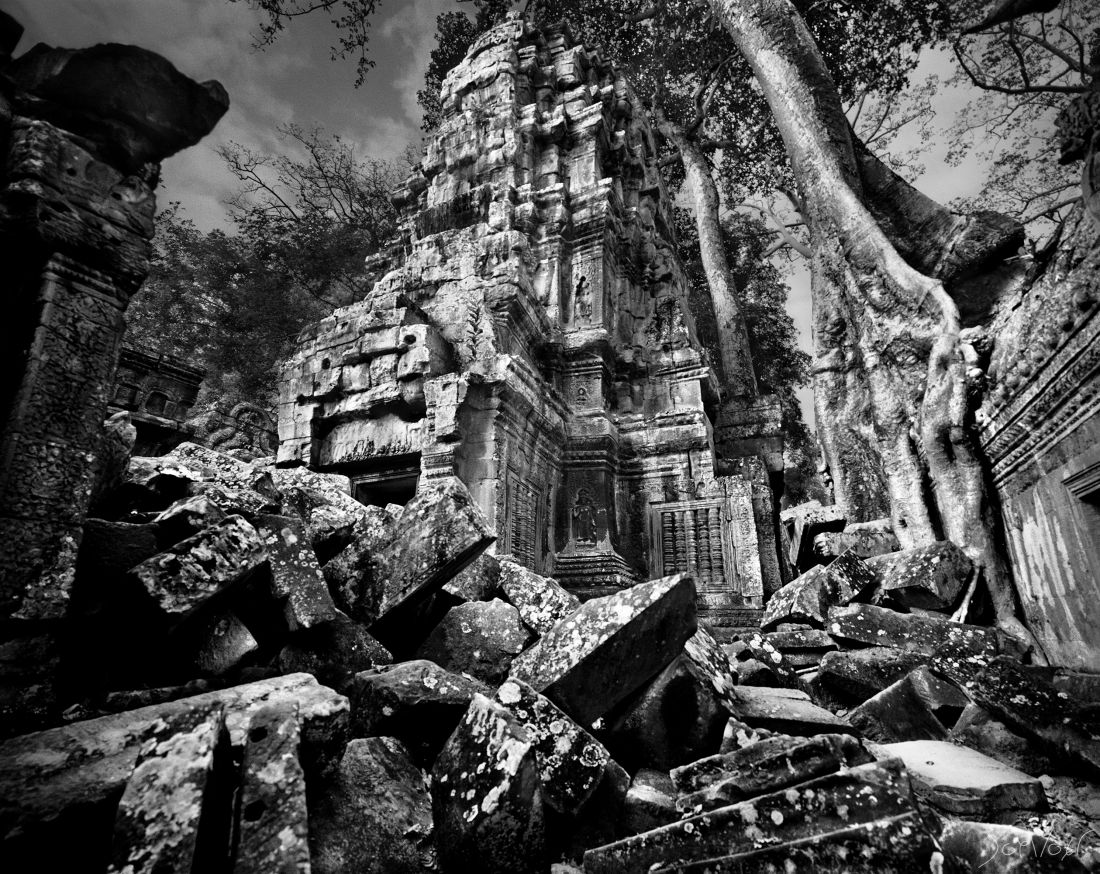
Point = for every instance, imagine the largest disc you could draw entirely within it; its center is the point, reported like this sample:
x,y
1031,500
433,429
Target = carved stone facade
x,y
1040,425
530,334
158,391
76,215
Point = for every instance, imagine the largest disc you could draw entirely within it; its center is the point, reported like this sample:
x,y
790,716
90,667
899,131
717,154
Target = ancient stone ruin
x,y
530,334
488,608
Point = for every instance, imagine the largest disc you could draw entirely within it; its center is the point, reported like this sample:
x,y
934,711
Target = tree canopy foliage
x,y
302,227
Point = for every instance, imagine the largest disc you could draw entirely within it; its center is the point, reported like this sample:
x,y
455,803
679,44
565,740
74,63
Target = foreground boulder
x,y
374,816
66,781
861,820
604,651
479,638
418,702
540,600
924,634
486,796
963,782
809,598
173,788
930,577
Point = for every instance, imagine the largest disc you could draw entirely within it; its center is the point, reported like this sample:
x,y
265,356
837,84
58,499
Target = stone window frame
x,y
656,536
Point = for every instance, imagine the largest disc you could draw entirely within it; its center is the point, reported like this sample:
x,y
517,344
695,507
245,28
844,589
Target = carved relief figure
x,y
582,301
584,519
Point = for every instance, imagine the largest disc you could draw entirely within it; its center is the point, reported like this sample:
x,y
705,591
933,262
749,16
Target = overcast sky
x,y
295,80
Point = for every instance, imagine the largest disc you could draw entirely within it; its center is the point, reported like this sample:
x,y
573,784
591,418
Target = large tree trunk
x,y
891,370
733,337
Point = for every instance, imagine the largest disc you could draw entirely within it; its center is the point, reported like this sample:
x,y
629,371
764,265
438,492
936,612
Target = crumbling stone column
x,y
82,134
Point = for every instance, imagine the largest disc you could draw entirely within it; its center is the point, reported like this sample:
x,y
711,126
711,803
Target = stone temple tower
x,y
530,334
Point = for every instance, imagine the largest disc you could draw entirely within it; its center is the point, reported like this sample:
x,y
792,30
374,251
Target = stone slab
x,y
604,651
965,782
881,626
273,831
785,710
296,578
809,598
856,675
541,602
931,577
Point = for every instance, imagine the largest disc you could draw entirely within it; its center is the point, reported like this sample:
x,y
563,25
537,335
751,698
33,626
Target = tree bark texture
x,y
890,375
733,337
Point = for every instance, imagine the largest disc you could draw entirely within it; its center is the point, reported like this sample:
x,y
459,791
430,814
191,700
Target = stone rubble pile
x,y
277,678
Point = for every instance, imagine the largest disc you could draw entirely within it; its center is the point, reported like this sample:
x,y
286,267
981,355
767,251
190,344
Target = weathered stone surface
x,y
211,643
879,626
185,575
113,457
979,730
680,715
601,653
187,517
171,790
801,649
1005,849
478,581
479,638
109,549
417,702
755,647
897,713
784,710
773,763
132,103
931,577
30,668
333,652
78,770
865,539
1028,705
273,834
571,763
541,602
438,533
964,782
486,795
809,598
374,815
821,810
856,675
296,577
650,802
324,504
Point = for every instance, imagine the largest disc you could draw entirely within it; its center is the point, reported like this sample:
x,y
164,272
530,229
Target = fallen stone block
x,y
486,796
771,764
963,782
650,802
979,730
897,713
604,651
235,502
541,602
333,652
854,676
738,735
109,549
931,577
228,472
210,643
479,638
789,711
181,578
809,598
1004,849
478,581
826,808
879,626
756,647
374,815
330,515
30,668
801,649
678,716
273,833
186,518
571,761
171,790
296,578
865,539
1027,704
417,702
438,533
66,780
